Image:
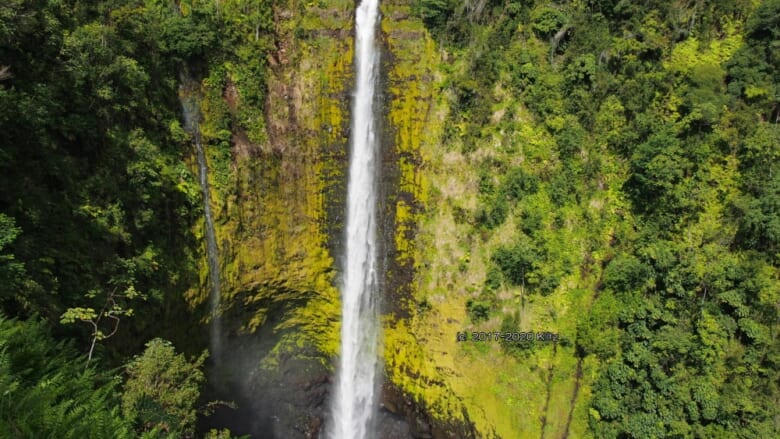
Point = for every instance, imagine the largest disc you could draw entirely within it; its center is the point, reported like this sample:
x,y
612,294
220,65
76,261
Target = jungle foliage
x,y
99,205
659,123
632,143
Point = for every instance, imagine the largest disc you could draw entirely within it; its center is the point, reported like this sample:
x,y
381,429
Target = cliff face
x,y
278,208
279,205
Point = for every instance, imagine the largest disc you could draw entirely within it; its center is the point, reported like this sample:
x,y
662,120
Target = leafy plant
x,y
161,390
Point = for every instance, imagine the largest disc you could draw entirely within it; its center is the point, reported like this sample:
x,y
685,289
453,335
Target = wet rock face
x,y
401,417
392,426
395,406
297,399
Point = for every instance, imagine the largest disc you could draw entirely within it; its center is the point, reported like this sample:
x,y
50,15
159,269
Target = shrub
x,y
162,389
478,310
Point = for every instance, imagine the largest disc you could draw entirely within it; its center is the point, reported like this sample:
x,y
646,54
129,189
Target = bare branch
x,y
116,325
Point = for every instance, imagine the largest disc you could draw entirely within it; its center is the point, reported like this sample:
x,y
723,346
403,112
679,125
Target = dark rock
x,y
392,426
421,428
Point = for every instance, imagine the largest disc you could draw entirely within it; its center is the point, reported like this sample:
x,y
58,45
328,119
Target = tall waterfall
x,y
356,388
191,117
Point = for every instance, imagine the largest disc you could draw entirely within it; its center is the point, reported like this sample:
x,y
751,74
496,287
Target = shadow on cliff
x,y
276,389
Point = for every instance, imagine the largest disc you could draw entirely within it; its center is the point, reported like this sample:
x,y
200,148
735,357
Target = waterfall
x,y
191,118
215,331
356,388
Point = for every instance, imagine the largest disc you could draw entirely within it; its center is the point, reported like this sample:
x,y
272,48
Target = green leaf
x,y
78,313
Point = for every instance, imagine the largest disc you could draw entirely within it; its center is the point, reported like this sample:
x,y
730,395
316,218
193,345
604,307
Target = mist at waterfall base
x,y
284,400
355,393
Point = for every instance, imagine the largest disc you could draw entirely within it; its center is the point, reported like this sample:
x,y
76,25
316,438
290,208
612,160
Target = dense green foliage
x,y
670,112
161,390
45,391
626,151
98,201
93,177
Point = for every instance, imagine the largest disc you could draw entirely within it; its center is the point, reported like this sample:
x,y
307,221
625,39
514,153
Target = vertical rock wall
x,y
279,207
278,204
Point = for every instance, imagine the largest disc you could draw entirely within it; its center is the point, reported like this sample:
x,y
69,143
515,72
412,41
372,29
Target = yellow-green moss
x,y
419,357
271,213
503,395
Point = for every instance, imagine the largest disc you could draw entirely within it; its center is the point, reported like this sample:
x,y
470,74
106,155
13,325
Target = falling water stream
x,y
191,117
356,389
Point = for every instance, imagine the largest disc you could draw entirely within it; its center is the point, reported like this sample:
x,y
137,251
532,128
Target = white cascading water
x,y
212,253
356,390
191,118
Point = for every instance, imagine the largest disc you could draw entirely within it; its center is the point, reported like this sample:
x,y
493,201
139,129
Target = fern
x,y
45,393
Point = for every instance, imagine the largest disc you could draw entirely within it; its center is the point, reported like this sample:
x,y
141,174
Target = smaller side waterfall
x,y
191,118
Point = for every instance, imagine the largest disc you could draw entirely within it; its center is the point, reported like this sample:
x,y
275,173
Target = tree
x,y
162,389
114,307
517,262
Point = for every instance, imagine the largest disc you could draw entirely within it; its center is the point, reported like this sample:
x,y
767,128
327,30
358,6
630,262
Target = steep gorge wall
x,y
278,208
279,200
